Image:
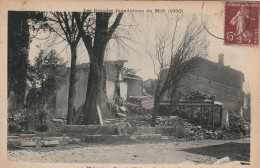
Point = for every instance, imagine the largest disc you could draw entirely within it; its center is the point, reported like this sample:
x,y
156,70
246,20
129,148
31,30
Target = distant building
x,y
150,86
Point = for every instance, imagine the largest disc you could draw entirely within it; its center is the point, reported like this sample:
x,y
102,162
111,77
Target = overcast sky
x,y
141,30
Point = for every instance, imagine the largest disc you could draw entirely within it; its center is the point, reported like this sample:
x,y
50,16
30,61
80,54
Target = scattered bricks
x,y
24,143
50,143
14,142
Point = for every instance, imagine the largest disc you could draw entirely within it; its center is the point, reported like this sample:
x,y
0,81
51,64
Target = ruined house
x,y
218,80
115,82
134,82
215,79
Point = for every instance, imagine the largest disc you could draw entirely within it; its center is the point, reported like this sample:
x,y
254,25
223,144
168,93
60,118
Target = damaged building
x,y
116,82
218,80
215,79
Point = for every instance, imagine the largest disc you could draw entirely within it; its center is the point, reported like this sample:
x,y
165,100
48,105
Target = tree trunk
x,y
72,90
54,103
18,51
93,95
157,99
155,110
96,49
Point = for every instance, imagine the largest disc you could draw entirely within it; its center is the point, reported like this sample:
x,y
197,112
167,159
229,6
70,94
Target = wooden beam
x,y
100,116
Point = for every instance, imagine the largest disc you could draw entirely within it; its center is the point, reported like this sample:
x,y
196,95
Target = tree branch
x,y
115,25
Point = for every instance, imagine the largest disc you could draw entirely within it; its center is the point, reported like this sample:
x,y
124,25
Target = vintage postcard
x,y
94,84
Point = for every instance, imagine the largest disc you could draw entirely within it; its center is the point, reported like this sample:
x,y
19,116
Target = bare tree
x,y
65,26
95,33
181,54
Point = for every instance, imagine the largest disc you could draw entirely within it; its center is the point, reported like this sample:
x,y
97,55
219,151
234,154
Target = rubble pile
x,y
134,109
136,120
134,115
200,96
194,132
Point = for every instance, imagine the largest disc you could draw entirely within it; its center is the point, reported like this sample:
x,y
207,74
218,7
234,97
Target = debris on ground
x,y
134,115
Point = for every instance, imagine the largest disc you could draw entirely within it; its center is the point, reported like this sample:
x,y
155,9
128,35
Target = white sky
x,y
142,36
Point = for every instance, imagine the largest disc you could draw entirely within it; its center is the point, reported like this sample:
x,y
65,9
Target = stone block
x,y
27,135
168,137
149,137
25,143
59,139
132,137
14,142
90,129
50,143
33,138
13,137
144,130
106,138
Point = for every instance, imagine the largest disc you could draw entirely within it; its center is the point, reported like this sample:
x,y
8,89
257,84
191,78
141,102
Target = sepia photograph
x,y
130,84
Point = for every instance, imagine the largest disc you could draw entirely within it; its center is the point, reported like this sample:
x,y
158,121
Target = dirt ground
x,y
198,152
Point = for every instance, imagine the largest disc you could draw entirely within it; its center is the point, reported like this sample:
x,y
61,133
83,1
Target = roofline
x,y
128,77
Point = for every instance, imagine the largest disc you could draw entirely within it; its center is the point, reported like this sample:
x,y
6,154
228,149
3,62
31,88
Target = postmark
x,y
241,23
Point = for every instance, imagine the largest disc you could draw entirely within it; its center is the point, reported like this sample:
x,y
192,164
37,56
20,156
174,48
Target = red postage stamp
x,y
241,23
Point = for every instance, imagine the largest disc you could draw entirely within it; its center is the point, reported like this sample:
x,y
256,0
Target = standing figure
x,y
239,21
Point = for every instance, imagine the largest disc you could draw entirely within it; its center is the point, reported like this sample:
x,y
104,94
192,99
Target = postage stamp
x,y
241,23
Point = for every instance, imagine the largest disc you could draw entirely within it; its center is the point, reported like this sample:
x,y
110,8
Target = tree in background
x,y
19,26
175,57
64,25
45,78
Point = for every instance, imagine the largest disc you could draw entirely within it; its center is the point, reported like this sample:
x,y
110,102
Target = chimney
x,y
221,58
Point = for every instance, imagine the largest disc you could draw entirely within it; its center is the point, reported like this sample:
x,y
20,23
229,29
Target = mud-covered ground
x,y
198,152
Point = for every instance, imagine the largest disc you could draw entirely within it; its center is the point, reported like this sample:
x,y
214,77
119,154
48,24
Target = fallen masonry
x,y
123,130
113,133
